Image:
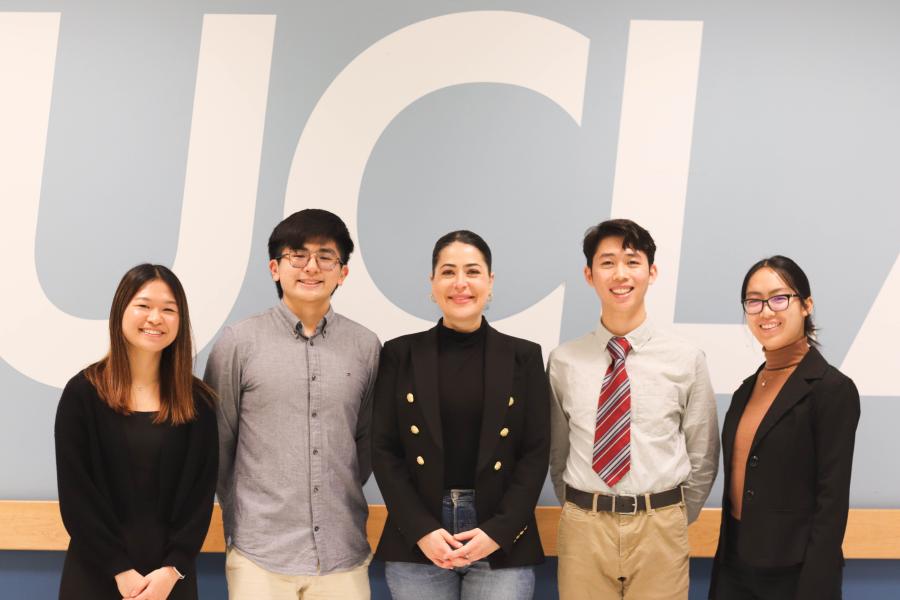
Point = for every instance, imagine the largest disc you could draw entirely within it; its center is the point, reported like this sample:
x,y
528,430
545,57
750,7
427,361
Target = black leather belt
x,y
626,505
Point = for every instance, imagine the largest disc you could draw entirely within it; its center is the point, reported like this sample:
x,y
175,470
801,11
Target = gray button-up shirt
x,y
294,415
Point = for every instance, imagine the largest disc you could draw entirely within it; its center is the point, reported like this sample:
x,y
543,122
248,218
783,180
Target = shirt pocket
x,y
656,413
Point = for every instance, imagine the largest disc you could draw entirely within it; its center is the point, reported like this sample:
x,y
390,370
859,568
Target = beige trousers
x,y
603,555
249,581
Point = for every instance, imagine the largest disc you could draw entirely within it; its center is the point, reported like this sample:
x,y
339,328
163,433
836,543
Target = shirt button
x,y
316,490
313,377
312,343
315,414
316,528
749,493
315,451
754,460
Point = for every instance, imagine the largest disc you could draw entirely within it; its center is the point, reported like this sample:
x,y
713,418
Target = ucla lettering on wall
x,y
182,135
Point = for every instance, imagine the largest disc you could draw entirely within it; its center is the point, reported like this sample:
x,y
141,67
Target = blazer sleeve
x,y
194,503
405,508
836,415
516,507
86,510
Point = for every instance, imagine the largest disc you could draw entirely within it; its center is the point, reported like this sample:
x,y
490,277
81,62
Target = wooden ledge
x,y
36,525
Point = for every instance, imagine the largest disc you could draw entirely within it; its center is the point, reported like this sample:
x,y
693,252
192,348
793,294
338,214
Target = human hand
x,y
478,545
130,583
161,581
437,545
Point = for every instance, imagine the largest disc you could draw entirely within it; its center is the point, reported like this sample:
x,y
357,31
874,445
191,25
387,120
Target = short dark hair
x,y
795,278
464,236
633,236
310,225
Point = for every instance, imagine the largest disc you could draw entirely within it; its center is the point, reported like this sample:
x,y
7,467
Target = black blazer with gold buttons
x,y
797,483
513,450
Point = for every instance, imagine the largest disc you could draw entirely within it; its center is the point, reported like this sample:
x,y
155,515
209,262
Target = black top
x,y
144,524
409,448
133,495
461,396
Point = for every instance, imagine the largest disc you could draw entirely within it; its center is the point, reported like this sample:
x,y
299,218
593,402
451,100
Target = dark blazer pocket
x,y
781,541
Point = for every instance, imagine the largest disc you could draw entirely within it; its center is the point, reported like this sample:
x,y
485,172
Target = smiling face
x,y
620,276
309,285
460,285
775,330
151,319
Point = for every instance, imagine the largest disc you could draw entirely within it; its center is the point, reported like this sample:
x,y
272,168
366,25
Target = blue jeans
x,y
413,581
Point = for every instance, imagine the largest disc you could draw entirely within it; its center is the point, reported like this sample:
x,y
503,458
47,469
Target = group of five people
x,y
460,423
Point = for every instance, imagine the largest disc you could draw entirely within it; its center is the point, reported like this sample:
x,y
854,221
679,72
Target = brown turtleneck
x,y
779,365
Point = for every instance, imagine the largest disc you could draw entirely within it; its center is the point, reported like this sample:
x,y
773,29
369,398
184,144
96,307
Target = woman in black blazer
x,y
137,452
787,444
461,443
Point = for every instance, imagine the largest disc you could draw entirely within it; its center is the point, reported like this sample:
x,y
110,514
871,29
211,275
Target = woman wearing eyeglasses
x,y
460,443
787,444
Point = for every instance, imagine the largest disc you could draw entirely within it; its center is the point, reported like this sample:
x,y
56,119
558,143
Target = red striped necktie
x,y
612,436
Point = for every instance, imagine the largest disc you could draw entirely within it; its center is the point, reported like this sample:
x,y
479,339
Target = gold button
x,y
512,400
504,432
497,465
410,398
414,430
420,460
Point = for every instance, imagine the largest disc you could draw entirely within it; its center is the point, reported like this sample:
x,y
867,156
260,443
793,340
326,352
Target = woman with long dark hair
x,y
137,452
787,444
460,443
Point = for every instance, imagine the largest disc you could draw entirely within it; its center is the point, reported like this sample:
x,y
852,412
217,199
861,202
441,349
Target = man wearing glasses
x,y
634,435
295,385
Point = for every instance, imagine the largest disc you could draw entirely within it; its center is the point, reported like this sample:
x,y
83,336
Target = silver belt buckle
x,y
633,505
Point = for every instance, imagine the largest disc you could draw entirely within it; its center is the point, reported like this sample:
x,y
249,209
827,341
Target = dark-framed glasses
x,y
325,259
777,303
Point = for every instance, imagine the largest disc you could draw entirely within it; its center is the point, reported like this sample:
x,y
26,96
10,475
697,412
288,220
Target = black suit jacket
x,y
797,484
511,469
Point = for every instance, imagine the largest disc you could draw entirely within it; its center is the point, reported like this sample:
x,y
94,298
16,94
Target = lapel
x,y
499,367
424,351
811,368
733,416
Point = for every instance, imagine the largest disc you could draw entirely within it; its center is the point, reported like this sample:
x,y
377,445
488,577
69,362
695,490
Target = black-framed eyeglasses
x,y
777,303
326,260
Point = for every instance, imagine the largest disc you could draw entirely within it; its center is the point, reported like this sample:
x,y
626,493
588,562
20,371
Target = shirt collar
x,y
296,327
637,337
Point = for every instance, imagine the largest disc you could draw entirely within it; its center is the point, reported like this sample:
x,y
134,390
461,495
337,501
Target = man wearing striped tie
x,y
635,441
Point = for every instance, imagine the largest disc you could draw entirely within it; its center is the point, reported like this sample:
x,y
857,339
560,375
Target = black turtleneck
x,y
461,388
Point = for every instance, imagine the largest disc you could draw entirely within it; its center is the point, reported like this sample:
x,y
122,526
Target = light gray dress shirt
x,y
294,415
674,428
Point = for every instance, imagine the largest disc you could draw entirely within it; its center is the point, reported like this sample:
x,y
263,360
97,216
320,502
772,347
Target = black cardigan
x,y
797,483
93,477
513,449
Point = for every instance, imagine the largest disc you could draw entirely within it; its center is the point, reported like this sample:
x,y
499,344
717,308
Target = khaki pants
x,y
249,581
603,555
